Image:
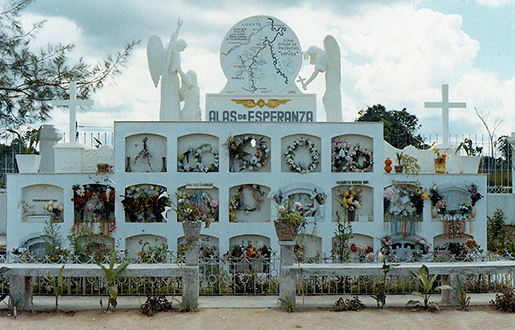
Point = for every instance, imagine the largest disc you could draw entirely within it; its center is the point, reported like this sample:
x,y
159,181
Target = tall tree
x,y
29,80
399,126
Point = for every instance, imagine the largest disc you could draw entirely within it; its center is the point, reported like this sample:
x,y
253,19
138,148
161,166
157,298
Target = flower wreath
x,y
256,161
197,154
205,202
237,201
347,159
290,155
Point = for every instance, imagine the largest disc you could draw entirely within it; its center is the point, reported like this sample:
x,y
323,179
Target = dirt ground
x,y
478,317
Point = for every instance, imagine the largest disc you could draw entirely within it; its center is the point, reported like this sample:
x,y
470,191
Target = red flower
x,y
353,248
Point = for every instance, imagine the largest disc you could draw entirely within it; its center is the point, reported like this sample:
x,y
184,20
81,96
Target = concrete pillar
x,y
511,141
20,288
190,277
48,139
287,275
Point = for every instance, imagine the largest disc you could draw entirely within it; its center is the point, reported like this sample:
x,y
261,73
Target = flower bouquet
x,y
192,212
439,161
288,219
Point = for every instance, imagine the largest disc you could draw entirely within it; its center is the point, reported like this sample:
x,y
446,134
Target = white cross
x,y
72,103
445,105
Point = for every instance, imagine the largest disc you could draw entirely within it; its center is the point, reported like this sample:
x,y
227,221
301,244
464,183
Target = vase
x,y
128,165
231,164
440,166
398,168
28,163
468,164
351,215
191,230
163,169
285,230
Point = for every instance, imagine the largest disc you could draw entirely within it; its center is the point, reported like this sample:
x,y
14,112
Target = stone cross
x,y
72,103
445,105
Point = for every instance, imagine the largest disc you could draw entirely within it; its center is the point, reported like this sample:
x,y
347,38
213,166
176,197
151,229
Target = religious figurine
x,y
190,94
327,60
167,65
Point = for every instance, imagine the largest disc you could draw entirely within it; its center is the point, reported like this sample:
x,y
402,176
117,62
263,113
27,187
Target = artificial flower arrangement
x,y
196,207
95,199
197,155
345,158
249,251
364,252
350,201
440,158
144,155
237,201
464,210
404,201
236,148
146,203
55,208
313,151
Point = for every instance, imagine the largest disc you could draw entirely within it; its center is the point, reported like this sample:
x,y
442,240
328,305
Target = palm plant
x,y
427,285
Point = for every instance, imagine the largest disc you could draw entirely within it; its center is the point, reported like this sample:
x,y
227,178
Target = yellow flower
x,y
424,196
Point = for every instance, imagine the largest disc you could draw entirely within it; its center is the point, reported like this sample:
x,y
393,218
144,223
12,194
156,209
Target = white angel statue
x,y
327,60
166,64
190,94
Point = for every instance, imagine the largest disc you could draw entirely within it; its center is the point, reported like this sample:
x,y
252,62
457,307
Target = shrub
x,y
353,304
505,301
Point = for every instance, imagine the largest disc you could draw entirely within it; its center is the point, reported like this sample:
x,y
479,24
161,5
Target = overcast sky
x,y
397,53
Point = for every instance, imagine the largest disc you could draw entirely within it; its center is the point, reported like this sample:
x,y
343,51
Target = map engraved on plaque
x,y
261,55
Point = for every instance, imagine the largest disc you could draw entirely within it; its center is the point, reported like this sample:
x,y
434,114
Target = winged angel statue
x,y
328,60
176,86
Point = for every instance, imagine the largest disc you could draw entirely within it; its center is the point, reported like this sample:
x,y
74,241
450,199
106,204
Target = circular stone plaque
x,y
260,55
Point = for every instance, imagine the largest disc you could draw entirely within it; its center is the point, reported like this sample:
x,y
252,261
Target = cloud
x,y
393,53
495,3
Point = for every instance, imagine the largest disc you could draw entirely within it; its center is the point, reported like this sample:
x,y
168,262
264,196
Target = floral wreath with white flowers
x,y
345,158
197,154
290,155
237,201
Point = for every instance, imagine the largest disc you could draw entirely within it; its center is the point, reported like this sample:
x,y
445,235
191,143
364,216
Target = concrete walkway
x,y
92,302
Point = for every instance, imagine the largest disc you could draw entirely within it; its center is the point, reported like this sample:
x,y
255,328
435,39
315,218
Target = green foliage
x,y
505,301
353,304
399,126
186,307
290,306
56,284
409,164
343,233
470,150
153,253
499,239
30,79
427,285
26,143
111,274
463,299
53,241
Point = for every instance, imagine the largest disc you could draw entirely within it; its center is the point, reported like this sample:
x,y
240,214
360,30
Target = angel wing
x,y
156,55
247,103
332,51
274,103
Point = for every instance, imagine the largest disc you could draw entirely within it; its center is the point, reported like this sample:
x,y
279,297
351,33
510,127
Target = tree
x,y
29,80
399,126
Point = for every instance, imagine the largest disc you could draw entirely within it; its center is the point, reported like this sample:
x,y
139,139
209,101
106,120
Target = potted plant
x,y
288,219
468,164
398,168
191,213
27,159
